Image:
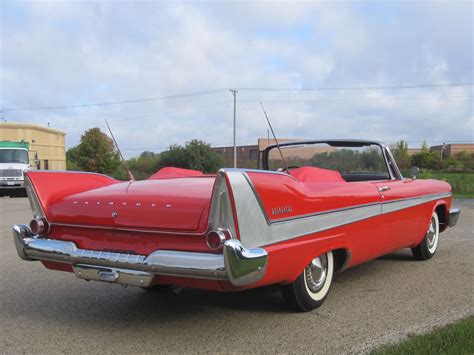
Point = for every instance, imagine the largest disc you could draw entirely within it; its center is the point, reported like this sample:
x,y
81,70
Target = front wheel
x,y
311,288
427,248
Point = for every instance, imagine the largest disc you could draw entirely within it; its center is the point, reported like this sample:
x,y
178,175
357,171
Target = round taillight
x,y
38,226
215,239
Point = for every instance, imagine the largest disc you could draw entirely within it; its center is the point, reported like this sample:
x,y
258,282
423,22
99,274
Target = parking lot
x,y
378,302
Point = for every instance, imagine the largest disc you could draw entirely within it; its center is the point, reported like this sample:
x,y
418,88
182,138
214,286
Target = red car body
x,y
235,230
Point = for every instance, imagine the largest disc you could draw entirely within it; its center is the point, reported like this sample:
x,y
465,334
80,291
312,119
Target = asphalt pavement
x,y
44,311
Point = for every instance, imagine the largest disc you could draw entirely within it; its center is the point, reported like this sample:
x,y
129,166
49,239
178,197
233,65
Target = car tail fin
x,y
45,187
222,216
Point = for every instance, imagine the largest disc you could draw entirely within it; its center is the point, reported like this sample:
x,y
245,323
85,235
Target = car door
x,y
401,217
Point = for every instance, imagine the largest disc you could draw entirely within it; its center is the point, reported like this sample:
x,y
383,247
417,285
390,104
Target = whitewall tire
x,y
311,288
427,248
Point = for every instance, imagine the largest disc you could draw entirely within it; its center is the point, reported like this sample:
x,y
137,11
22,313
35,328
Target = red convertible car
x,y
315,208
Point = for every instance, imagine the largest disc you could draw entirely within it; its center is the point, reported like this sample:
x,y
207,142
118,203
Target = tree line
x,y
431,160
96,152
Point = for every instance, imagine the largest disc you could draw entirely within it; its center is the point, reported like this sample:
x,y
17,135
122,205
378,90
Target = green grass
x,y
457,338
462,183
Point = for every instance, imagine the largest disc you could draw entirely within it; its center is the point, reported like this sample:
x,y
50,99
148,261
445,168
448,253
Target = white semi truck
x,y
14,160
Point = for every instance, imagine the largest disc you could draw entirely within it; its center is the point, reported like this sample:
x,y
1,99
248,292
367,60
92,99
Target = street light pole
x,y
234,93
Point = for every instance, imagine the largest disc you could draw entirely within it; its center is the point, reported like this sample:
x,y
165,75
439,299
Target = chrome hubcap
x,y
431,234
316,273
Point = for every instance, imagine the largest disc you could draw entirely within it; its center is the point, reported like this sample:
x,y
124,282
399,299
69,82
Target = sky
x,y
372,70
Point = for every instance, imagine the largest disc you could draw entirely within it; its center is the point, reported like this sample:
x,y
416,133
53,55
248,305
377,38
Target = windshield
x,y
14,156
354,163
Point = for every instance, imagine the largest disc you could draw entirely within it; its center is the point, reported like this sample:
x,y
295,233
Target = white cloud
x,y
61,53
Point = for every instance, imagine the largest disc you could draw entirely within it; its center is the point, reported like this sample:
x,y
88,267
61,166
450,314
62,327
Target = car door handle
x,y
384,188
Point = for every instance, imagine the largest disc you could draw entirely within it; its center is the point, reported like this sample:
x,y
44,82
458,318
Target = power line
x,y
110,103
341,88
358,99
166,114
214,91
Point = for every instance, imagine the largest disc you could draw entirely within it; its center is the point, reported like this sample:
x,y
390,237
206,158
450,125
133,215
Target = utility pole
x,y
234,93
443,148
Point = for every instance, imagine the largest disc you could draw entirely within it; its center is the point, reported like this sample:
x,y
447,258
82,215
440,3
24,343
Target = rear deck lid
x,y
171,204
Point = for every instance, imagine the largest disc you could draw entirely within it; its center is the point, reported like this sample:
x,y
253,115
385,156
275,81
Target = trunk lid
x,y
180,204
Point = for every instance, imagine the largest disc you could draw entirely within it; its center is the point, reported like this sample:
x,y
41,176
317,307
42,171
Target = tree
x,y
175,156
425,160
196,155
401,155
460,162
202,157
95,153
424,146
144,165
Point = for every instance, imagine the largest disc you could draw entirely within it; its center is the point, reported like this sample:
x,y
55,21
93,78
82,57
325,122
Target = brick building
x,y
453,149
248,155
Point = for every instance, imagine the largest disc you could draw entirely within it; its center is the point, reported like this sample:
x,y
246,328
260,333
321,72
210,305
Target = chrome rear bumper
x,y
453,216
237,264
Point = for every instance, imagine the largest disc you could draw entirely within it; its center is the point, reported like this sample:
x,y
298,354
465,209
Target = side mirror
x,y
414,172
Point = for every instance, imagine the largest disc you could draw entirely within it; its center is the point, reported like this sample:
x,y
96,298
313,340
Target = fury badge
x,y
281,210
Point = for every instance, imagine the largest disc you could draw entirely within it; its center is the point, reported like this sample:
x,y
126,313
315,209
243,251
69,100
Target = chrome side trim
x,y
256,229
454,214
246,266
400,204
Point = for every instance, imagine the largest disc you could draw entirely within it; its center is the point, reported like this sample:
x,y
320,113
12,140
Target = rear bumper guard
x,y
237,264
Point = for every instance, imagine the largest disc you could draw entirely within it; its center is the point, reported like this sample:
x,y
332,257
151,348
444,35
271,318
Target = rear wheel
x,y
427,248
311,288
